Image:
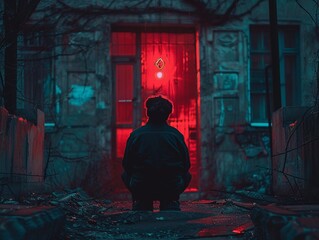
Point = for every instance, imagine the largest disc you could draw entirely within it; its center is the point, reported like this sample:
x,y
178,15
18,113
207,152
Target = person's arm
x,y
185,156
127,159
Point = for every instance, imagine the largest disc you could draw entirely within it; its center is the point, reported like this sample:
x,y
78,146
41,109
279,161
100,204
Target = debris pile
x,y
90,218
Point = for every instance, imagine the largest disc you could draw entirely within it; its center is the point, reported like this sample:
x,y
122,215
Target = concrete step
x,y
30,222
286,222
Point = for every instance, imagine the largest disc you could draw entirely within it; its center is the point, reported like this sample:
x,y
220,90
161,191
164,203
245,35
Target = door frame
x,y
136,114
137,105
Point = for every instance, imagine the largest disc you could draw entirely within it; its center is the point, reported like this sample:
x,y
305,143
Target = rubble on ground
x,y
226,218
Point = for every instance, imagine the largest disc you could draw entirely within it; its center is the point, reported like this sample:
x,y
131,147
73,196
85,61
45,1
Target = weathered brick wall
x,y
21,152
234,155
79,145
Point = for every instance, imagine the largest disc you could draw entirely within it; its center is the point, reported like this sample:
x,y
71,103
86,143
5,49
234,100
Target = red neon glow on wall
x,y
173,55
238,231
168,68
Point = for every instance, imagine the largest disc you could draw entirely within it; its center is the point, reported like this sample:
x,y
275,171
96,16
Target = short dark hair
x,y
158,108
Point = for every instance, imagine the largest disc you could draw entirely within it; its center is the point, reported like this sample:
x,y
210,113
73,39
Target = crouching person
x,y
156,160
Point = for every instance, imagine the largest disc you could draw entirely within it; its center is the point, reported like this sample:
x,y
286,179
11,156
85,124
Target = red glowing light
x,y
168,68
21,119
239,230
293,124
159,75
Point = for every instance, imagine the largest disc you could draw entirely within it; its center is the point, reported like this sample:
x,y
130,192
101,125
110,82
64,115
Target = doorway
x,y
148,63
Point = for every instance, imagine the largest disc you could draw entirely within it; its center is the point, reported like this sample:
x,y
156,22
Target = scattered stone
x,y
10,201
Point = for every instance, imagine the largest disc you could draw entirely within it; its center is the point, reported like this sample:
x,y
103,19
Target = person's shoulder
x,y
138,130
174,130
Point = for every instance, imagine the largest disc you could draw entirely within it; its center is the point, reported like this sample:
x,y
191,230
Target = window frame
x,y
283,53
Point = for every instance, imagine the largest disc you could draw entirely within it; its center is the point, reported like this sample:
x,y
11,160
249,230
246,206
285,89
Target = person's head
x,y
158,109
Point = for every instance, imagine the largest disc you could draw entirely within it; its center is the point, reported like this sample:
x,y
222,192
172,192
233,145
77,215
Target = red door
x,y
165,65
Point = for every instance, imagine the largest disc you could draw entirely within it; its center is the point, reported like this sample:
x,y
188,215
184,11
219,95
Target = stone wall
x,y
233,154
79,143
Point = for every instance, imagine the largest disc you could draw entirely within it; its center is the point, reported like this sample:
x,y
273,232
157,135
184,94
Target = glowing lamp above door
x,y
159,75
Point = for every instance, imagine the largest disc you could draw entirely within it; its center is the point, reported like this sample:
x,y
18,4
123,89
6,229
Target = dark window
x,y
123,44
124,93
260,58
36,89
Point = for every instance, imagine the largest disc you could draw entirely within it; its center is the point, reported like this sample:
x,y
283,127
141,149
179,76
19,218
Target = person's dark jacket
x,y
156,151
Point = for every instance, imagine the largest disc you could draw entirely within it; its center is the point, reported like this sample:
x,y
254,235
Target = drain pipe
x,y
274,54
269,123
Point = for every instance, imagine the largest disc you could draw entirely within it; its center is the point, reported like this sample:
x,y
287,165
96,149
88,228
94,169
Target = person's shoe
x,y
142,205
172,205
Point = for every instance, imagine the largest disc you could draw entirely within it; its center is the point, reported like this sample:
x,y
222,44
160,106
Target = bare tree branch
x,y
209,15
302,7
249,10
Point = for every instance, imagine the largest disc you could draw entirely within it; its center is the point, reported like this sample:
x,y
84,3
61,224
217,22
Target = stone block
x,y
274,221
302,228
29,222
